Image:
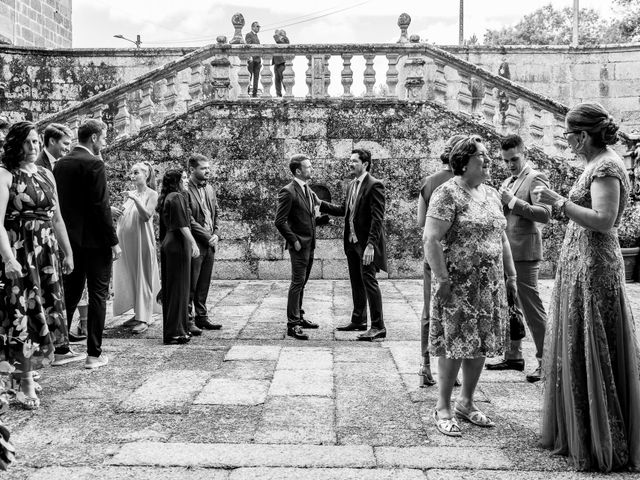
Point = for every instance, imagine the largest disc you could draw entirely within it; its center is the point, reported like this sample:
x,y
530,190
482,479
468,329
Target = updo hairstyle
x,y
592,118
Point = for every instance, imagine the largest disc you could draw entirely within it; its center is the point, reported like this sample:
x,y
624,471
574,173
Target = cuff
x,y
512,203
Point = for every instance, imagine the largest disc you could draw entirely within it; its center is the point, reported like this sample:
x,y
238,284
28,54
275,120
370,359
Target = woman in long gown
x,y
591,409
136,279
178,246
32,311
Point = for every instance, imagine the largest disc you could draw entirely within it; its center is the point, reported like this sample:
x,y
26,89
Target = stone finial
x,y
414,38
221,39
404,20
238,22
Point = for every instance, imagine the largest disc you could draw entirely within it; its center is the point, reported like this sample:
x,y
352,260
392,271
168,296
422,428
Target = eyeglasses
x,y
567,132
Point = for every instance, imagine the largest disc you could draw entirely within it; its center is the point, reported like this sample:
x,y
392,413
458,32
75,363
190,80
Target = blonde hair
x,y
151,174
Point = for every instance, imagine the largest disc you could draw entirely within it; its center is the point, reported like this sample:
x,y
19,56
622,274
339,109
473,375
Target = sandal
x,y
447,426
477,417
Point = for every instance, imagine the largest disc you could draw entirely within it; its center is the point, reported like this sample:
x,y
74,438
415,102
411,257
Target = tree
x,y
551,26
628,25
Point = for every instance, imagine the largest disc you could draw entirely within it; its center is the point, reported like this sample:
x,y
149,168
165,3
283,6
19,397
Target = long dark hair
x,y
171,182
13,152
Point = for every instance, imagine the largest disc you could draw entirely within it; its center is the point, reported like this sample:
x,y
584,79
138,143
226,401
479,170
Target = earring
x,y
464,169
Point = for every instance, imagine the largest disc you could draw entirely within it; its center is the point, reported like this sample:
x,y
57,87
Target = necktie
x,y
308,197
352,205
512,180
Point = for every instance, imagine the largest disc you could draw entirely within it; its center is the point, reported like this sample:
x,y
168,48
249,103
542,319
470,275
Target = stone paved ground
x,y
248,403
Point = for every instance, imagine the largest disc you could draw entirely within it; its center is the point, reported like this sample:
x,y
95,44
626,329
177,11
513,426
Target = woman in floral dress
x,y
32,317
468,251
591,410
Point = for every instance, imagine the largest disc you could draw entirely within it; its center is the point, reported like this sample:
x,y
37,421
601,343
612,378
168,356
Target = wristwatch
x,y
560,204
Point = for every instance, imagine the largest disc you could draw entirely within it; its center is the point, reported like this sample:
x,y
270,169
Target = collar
x,y
300,182
85,148
524,172
201,184
52,159
361,177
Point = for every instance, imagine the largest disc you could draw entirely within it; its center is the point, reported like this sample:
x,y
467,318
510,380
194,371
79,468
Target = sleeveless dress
x,y
591,409
472,323
136,277
32,311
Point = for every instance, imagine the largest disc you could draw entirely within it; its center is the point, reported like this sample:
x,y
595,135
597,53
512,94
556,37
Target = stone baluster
x,y
171,95
122,120
96,111
511,122
146,106
453,88
266,76
489,105
414,83
559,142
369,74
347,75
327,75
547,121
439,83
161,111
524,110
221,76
182,100
536,128
317,76
392,75
243,76
195,84
464,92
73,124
288,76
309,76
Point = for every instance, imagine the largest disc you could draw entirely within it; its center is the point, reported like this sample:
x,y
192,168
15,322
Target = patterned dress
x,y
32,314
592,386
472,323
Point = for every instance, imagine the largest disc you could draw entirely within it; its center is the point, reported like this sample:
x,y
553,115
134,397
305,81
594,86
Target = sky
x,y
194,23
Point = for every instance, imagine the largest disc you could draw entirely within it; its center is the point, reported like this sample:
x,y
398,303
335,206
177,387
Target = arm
x,y
537,211
333,209
198,231
377,213
12,267
99,200
422,211
282,215
214,202
147,210
434,232
61,230
195,251
509,269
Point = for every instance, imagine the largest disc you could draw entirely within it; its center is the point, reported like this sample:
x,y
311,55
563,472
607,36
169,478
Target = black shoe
x,y
181,340
296,332
534,376
194,331
426,378
205,324
304,323
507,365
352,327
373,334
76,338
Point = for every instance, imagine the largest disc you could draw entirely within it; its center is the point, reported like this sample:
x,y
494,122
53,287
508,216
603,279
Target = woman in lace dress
x,y
591,410
136,277
468,251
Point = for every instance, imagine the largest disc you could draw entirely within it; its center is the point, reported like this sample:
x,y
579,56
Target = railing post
x,y
392,75
96,111
558,133
464,92
439,83
237,20
317,76
122,119
195,84
266,77
488,106
243,76
309,76
220,77
535,125
524,109
327,75
288,76
74,123
369,74
414,82
171,95
347,75
161,111
146,106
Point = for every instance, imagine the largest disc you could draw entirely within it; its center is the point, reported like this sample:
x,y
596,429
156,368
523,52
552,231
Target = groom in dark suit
x,y
84,204
364,244
296,222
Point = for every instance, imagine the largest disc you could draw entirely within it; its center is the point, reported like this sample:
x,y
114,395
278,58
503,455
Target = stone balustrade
x,y
413,72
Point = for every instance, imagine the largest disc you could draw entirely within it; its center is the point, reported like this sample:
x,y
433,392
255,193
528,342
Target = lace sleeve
x,y
442,204
610,167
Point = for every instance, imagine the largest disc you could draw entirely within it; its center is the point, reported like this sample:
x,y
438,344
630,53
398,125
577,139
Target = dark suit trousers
x,y
279,70
254,71
93,266
301,263
424,320
364,288
201,268
531,303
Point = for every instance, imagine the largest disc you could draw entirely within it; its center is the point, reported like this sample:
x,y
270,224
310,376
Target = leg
x,y
447,373
279,70
299,275
306,278
358,292
374,296
98,275
196,265
532,306
426,378
471,370
256,77
202,284
74,284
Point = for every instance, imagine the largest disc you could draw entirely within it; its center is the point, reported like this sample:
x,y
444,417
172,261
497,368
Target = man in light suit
x,y
364,244
523,216
57,143
204,226
296,222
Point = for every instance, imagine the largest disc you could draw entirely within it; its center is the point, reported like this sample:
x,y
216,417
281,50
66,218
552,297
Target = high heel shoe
x,y
426,378
27,402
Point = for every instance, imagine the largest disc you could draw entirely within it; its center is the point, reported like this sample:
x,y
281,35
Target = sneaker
x,y
68,357
96,362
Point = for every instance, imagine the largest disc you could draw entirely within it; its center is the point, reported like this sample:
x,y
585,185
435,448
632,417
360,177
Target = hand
x,y
505,195
545,195
116,213
195,251
13,269
444,290
315,198
512,291
213,241
67,265
367,258
297,246
130,196
116,251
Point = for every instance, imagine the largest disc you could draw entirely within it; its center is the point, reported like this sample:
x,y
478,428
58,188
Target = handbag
x,y
516,323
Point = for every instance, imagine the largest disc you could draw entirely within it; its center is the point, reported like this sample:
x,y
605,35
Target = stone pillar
x,y
221,73
414,66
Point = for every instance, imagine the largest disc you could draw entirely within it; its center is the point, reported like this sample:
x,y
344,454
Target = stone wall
x,y
250,142
37,23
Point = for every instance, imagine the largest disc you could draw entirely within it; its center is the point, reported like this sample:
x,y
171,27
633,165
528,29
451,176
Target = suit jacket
x,y
84,199
251,38
368,219
198,229
43,160
295,217
279,59
523,232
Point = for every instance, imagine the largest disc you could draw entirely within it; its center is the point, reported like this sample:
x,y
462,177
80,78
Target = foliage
x,y
628,25
629,229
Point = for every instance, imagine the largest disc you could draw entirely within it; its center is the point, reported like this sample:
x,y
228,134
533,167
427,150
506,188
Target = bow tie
x,y
201,184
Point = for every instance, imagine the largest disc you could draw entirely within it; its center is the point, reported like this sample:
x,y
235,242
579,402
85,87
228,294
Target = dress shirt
x,y
52,159
512,202
352,205
305,189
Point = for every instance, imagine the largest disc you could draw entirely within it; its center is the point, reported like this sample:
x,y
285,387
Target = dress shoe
x,y
352,327
304,323
534,376
373,334
194,331
205,324
296,332
181,340
514,364
76,338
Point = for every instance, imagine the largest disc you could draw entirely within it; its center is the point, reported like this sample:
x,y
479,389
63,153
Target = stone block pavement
x,y
247,402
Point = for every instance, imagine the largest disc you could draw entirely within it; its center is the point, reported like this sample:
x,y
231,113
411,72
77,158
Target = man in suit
x,y
364,244
204,227
57,143
280,36
255,63
523,215
84,204
296,222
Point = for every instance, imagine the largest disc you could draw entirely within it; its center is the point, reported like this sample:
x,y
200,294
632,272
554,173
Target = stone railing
x,y
414,72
